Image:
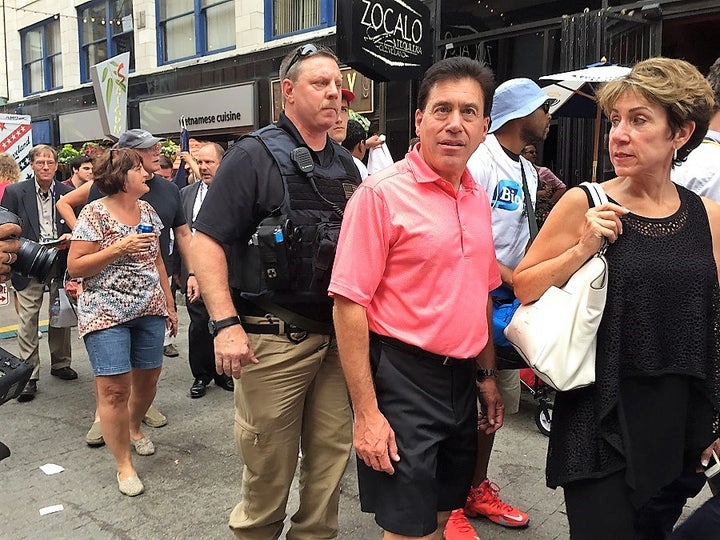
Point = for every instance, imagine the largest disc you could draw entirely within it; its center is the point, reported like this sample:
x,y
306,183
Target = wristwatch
x,y
215,326
483,374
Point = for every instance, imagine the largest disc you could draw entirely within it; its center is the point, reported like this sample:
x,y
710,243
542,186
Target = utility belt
x,y
273,326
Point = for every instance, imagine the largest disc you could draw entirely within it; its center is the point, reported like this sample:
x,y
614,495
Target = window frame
x,y
45,61
199,14
109,39
327,19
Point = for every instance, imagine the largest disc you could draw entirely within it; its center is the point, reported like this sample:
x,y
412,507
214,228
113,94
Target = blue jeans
x,y
135,344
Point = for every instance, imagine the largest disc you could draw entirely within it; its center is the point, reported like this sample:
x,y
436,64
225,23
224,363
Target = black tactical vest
x,y
288,260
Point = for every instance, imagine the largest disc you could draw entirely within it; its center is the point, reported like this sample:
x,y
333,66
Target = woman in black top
x,y
626,449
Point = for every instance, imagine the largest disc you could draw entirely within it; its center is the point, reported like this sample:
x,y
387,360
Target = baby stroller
x,y
508,358
541,393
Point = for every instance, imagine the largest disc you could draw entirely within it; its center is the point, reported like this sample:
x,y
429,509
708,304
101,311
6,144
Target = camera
x,y
14,375
33,259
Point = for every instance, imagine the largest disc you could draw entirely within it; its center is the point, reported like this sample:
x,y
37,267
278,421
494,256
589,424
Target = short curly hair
x,y
676,86
9,170
111,168
355,134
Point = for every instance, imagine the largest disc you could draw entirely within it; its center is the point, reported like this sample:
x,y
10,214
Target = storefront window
x,y
106,30
42,60
189,28
283,18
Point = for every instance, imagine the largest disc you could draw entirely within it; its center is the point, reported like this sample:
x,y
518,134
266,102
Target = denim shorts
x,y
135,344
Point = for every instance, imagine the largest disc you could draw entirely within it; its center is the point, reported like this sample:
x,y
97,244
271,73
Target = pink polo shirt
x,y
419,257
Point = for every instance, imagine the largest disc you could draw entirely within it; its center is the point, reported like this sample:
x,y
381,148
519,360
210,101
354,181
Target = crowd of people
x,y
350,306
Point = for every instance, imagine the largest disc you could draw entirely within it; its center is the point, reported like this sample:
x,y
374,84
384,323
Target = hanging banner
x,y
385,40
110,83
16,140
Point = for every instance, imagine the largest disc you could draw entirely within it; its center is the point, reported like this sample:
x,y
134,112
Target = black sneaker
x,y
65,373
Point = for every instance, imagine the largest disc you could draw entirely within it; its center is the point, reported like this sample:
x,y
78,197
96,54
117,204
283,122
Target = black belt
x,y
292,332
417,351
273,329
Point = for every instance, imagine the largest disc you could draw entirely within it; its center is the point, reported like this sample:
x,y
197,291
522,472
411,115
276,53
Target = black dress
x,y
657,392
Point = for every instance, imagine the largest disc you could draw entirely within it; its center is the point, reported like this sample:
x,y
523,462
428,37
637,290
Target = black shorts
x,y
432,408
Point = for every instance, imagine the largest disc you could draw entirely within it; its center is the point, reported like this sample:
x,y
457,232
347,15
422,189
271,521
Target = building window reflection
x,y
106,30
191,28
283,18
41,57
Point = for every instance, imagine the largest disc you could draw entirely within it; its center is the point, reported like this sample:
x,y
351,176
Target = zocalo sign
x,y
386,40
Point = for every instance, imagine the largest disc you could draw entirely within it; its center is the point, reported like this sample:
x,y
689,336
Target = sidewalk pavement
x,y
192,482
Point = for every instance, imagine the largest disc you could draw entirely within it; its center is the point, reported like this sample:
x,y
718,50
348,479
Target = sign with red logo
x,y
4,296
16,140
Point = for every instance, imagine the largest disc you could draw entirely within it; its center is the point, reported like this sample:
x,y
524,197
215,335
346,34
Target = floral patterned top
x,y
127,288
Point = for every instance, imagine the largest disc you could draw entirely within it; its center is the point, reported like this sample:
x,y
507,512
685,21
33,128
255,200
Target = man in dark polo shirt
x,y
270,313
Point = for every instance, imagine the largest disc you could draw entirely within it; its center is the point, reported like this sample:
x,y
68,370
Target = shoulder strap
x,y
532,222
596,197
595,192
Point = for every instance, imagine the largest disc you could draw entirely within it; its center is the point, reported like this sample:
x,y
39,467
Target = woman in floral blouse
x,y
125,306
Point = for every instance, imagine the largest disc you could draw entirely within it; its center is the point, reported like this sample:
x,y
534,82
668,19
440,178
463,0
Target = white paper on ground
x,y
51,468
51,509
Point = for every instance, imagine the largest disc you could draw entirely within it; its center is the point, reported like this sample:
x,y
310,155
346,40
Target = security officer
x,y
276,202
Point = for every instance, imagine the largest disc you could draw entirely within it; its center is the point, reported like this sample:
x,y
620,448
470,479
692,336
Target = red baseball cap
x,y
348,95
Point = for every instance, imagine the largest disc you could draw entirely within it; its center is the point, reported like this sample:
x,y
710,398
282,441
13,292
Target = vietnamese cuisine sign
x,y
385,39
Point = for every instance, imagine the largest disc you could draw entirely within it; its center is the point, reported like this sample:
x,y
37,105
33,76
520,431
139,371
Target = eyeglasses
x,y
301,52
546,106
154,149
42,164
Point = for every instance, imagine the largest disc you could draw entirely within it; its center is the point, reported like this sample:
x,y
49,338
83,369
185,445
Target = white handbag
x,y
557,334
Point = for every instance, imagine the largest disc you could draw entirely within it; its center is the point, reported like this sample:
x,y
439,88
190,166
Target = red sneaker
x,y
458,527
484,500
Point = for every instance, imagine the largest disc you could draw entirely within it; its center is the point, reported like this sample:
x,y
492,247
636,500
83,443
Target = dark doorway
x,y
695,39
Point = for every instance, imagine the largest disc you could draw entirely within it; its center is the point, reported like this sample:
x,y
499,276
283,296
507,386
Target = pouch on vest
x,y
324,247
270,241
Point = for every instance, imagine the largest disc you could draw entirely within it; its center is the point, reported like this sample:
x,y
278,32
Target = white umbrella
x,y
571,100
575,84
592,74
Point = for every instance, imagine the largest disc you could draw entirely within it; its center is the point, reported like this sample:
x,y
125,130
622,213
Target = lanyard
x,y
41,202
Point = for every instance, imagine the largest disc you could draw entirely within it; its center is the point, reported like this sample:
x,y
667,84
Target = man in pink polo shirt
x,y
411,281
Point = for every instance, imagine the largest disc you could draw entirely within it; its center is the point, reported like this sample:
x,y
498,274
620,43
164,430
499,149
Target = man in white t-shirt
x,y
355,144
700,172
519,117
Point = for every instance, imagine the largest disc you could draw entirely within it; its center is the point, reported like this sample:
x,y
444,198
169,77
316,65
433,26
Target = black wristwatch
x,y
215,326
483,374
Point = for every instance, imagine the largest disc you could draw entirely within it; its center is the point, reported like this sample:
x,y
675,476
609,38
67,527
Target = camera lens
x,y
35,260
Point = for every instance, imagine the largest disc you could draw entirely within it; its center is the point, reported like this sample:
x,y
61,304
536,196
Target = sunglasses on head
x,y
301,52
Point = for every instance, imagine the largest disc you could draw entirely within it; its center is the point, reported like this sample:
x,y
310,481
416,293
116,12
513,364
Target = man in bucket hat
x,y
519,116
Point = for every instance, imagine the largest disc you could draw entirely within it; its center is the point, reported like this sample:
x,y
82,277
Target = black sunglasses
x,y
546,106
301,52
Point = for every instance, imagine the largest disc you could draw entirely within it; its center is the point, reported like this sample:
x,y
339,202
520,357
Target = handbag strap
x,y
596,197
596,193
532,223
